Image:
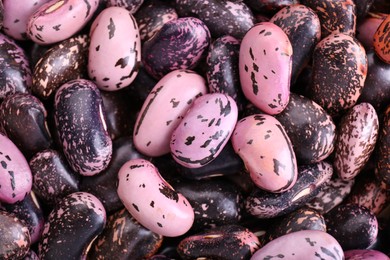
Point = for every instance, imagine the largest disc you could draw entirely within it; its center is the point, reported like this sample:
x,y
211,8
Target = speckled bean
x,y
262,143
15,173
381,43
226,242
79,109
133,241
15,238
115,44
179,44
58,20
53,178
79,215
382,169
262,204
164,109
131,5
265,67
15,72
23,120
365,254
305,244
63,62
204,131
152,201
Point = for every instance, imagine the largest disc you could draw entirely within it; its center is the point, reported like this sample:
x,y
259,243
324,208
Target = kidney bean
x,y
50,22
159,208
382,169
267,83
133,241
78,108
366,29
152,15
23,120
131,5
63,62
364,254
53,177
79,215
381,45
216,115
15,70
15,238
269,6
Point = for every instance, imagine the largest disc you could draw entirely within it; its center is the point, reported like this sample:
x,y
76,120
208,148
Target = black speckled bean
x,y
53,178
353,226
31,255
226,242
269,6
332,194
336,16
80,122
71,227
63,62
152,15
14,237
124,238
302,26
311,130
29,210
222,69
339,72
103,185
382,169
222,17
131,5
301,219
15,72
179,44
362,8
262,204
23,119
215,202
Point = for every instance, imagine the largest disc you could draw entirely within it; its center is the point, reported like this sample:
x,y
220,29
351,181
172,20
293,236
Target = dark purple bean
x,y
269,6
222,17
29,211
131,5
383,147
362,8
23,119
53,178
124,238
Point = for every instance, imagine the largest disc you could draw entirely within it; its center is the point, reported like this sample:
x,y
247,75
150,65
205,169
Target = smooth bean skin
x,y
152,201
301,244
310,128
262,136
58,20
174,94
15,173
104,185
204,131
53,177
23,118
269,6
161,55
222,17
113,61
353,226
338,77
225,242
80,122
79,215
335,16
302,26
265,63
15,238
15,72
30,212
357,134
263,205
131,5
132,242
364,254
63,62
16,16
152,16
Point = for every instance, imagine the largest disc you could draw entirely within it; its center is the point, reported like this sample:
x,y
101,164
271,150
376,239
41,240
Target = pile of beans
x,y
192,129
